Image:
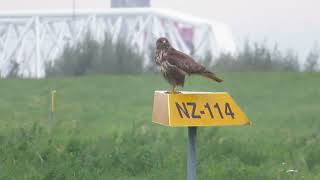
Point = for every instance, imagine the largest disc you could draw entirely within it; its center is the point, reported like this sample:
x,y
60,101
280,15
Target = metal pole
x,y
191,166
73,27
38,51
73,10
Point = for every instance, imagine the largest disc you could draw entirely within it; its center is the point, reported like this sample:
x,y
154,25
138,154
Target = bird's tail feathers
x,y
211,75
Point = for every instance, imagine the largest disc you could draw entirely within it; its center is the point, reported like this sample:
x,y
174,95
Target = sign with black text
x,y
204,109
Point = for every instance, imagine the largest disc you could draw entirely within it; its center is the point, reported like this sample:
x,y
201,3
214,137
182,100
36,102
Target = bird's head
x,y
163,43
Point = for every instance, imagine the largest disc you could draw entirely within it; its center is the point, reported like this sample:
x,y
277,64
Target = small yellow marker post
x,y
193,109
52,109
53,101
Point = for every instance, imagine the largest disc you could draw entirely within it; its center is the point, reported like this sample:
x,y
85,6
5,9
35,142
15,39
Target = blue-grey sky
x,y
291,23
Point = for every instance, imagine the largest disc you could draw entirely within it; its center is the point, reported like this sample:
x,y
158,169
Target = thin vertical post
x,y
191,164
38,51
73,10
73,26
52,109
53,101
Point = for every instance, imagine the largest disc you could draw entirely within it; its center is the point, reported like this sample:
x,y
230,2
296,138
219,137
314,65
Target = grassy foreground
x,y
103,129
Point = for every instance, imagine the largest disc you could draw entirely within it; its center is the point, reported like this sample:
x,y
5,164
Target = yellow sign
x,y
197,109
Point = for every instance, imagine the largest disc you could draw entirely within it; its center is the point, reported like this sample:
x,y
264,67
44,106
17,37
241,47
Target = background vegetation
x,y
91,57
258,57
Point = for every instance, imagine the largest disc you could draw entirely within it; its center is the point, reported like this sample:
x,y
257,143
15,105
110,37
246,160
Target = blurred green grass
x,y
103,130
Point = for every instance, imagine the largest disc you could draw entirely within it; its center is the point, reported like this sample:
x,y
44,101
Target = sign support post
x,y
192,153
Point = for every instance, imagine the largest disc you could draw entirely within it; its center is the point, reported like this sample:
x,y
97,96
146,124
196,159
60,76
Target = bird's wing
x,y
183,62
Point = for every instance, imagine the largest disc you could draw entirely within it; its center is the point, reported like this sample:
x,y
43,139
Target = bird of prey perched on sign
x,y
175,65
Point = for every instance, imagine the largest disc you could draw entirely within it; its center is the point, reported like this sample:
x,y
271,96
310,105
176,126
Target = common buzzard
x,y
175,65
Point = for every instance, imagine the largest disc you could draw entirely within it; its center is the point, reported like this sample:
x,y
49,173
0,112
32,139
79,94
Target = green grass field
x,y
103,130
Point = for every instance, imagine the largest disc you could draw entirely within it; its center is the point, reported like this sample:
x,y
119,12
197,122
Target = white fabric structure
x,y
29,40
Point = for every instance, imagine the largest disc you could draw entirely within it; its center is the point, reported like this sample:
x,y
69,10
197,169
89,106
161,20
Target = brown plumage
x,y
175,65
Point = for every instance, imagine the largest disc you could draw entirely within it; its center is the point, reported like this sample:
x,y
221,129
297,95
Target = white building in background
x,y
30,39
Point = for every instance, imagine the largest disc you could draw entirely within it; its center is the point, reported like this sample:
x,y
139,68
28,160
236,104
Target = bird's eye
x,y
163,41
